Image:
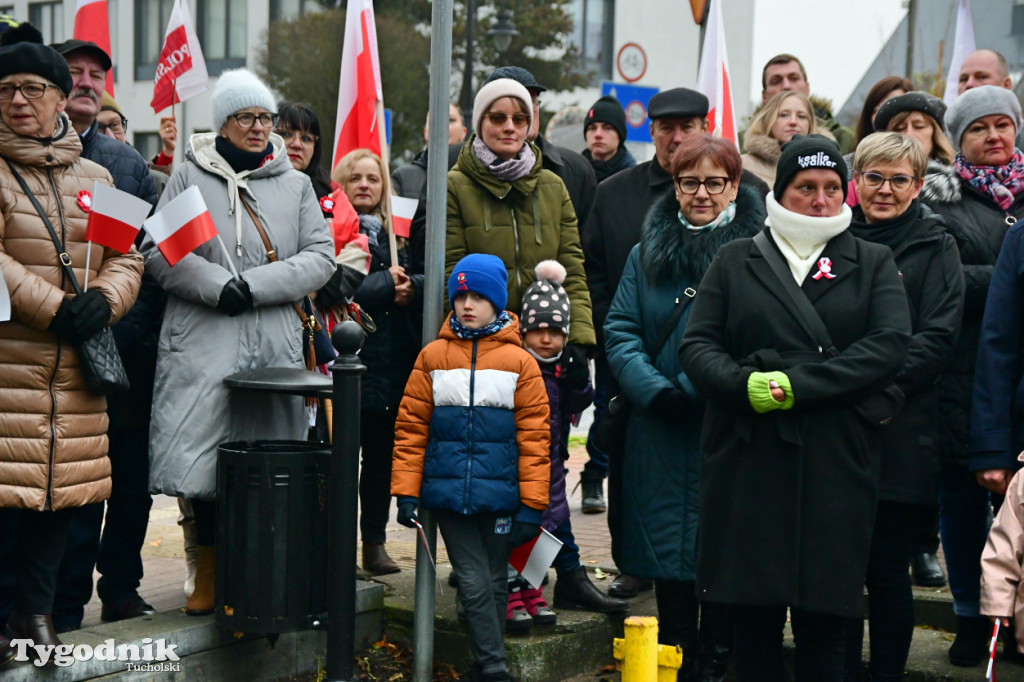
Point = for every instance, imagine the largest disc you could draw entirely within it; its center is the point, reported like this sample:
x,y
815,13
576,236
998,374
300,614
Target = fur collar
x,y
671,253
765,148
941,184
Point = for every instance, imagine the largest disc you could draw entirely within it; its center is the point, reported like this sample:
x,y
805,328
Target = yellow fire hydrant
x,y
643,659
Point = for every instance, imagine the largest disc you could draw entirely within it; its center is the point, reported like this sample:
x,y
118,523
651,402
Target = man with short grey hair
x,y
986,67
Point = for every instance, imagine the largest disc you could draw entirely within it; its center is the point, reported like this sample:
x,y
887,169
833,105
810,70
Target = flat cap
x,y
911,101
677,103
74,45
516,73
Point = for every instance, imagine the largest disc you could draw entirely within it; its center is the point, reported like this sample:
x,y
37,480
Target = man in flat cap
x,y
613,229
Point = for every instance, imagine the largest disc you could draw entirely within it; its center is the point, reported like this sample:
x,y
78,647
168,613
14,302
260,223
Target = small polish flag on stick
x,y
115,218
5,300
990,673
534,558
402,212
183,224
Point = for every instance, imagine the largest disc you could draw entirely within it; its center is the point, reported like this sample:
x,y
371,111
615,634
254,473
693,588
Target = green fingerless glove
x,y
760,395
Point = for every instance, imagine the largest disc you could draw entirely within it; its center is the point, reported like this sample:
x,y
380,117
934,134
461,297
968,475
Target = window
x,y
147,144
593,34
7,9
48,17
151,17
286,10
1017,21
221,28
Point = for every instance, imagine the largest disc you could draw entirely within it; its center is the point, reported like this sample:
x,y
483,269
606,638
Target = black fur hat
x,y
22,51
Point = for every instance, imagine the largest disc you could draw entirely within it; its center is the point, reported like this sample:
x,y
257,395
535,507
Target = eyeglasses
x,y
305,138
117,127
496,118
247,119
899,183
27,90
688,185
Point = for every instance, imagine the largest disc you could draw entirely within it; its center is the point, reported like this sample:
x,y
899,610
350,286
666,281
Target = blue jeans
x,y
568,558
598,462
964,508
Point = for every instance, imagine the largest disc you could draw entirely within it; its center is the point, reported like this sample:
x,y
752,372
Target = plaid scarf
x,y
464,332
1001,183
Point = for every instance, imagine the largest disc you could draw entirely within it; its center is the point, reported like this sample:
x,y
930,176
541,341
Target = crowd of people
x,y
807,355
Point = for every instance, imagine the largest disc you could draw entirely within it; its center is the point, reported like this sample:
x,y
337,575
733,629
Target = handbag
x,y
98,358
877,409
610,436
314,337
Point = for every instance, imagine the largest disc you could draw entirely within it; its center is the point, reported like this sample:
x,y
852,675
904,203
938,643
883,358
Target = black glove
x,y
407,513
340,288
235,298
63,322
574,368
669,404
523,532
80,318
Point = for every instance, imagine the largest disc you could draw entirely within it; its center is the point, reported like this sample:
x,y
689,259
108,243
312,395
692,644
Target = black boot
x,y
575,592
927,572
593,493
971,644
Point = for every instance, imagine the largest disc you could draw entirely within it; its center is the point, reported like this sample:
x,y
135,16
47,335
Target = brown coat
x,y
1002,590
53,442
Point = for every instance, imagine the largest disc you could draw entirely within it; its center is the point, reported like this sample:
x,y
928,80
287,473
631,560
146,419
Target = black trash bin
x,y
271,535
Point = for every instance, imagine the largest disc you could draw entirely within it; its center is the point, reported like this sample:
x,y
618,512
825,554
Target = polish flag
x,y
713,77
534,558
963,45
181,69
92,24
115,217
181,225
402,212
360,97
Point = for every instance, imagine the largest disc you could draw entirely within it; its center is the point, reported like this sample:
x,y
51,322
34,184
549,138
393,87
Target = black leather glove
x,y
63,322
92,313
669,404
235,298
574,368
340,288
407,513
523,532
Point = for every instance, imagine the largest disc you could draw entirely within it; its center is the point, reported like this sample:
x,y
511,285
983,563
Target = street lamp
x,y
502,33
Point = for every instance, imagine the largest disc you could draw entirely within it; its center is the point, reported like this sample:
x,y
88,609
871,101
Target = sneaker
x,y
517,618
538,609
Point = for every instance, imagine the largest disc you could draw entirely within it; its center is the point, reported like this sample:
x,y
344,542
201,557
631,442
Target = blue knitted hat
x,y
483,274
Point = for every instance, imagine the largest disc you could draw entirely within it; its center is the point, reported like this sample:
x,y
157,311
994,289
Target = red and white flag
x,y
713,77
181,70
181,225
534,558
92,23
963,45
402,212
350,247
115,217
359,88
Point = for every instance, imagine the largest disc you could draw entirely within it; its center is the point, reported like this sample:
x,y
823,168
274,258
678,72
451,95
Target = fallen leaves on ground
x,y
389,662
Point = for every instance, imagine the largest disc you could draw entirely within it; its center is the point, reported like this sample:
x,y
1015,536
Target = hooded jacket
x,y
762,157
472,430
523,223
53,442
194,411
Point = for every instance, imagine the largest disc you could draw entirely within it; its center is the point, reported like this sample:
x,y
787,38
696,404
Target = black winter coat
x,y
788,498
410,180
929,265
613,229
129,170
978,225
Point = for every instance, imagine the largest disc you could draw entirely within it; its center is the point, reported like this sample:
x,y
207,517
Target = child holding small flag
x,y
471,445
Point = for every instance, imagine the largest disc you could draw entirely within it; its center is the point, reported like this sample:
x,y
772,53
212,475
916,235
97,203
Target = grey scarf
x,y
506,171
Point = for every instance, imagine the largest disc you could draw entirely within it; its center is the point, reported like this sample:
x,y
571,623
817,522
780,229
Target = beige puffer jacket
x,y
1002,562
53,442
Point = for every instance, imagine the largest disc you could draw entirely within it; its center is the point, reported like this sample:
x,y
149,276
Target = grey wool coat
x,y
193,411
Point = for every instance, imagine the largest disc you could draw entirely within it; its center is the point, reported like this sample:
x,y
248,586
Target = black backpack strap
x,y
809,318
670,324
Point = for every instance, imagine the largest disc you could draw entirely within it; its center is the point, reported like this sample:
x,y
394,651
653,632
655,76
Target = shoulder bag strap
x,y
62,254
809,318
670,324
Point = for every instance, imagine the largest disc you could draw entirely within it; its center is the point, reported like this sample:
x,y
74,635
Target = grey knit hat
x,y
545,303
239,89
495,90
986,100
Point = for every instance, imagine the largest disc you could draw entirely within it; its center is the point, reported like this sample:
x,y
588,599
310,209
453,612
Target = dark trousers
x,y
32,548
204,513
757,644
964,508
117,554
678,611
377,439
926,539
568,558
597,465
479,558
891,614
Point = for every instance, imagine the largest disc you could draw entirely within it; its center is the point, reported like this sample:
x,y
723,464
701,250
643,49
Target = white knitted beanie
x,y
495,90
979,102
239,89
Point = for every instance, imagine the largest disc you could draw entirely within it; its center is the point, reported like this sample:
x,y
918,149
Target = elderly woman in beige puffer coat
x,y
53,442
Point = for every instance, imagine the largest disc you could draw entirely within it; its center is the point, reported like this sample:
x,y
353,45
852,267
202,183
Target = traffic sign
x,y
634,99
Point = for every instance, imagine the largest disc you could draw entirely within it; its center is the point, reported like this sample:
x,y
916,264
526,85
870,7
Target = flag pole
x,y
88,256
386,205
227,257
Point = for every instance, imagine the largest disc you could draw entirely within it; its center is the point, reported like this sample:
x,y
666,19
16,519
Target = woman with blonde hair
x,y
921,116
786,114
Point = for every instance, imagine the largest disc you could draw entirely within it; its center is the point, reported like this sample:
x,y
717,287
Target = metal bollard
x,y
347,369
643,659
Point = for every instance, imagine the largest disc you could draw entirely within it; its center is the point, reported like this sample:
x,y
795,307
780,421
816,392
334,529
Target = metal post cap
x,y
347,337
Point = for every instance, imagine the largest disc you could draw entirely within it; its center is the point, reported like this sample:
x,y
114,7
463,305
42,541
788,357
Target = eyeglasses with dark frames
x,y
28,90
898,182
117,127
497,118
304,138
247,119
690,185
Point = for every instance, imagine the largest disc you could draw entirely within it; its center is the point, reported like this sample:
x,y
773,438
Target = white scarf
x,y
802,238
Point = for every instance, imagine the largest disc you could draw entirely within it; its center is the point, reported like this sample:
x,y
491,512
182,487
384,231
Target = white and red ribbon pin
x,y
824,269
85,200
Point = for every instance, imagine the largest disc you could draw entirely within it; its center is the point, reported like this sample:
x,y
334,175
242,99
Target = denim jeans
x,y
568,558
964,508
598,462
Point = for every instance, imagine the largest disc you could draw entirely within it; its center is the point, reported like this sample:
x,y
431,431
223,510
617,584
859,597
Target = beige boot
x,y
203,600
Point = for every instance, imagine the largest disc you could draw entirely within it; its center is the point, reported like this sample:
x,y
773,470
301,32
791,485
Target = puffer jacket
x,y
53,442
1002,561
523,223
979,226
472,430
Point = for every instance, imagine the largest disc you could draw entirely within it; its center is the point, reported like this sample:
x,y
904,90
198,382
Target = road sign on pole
x,y
634,99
